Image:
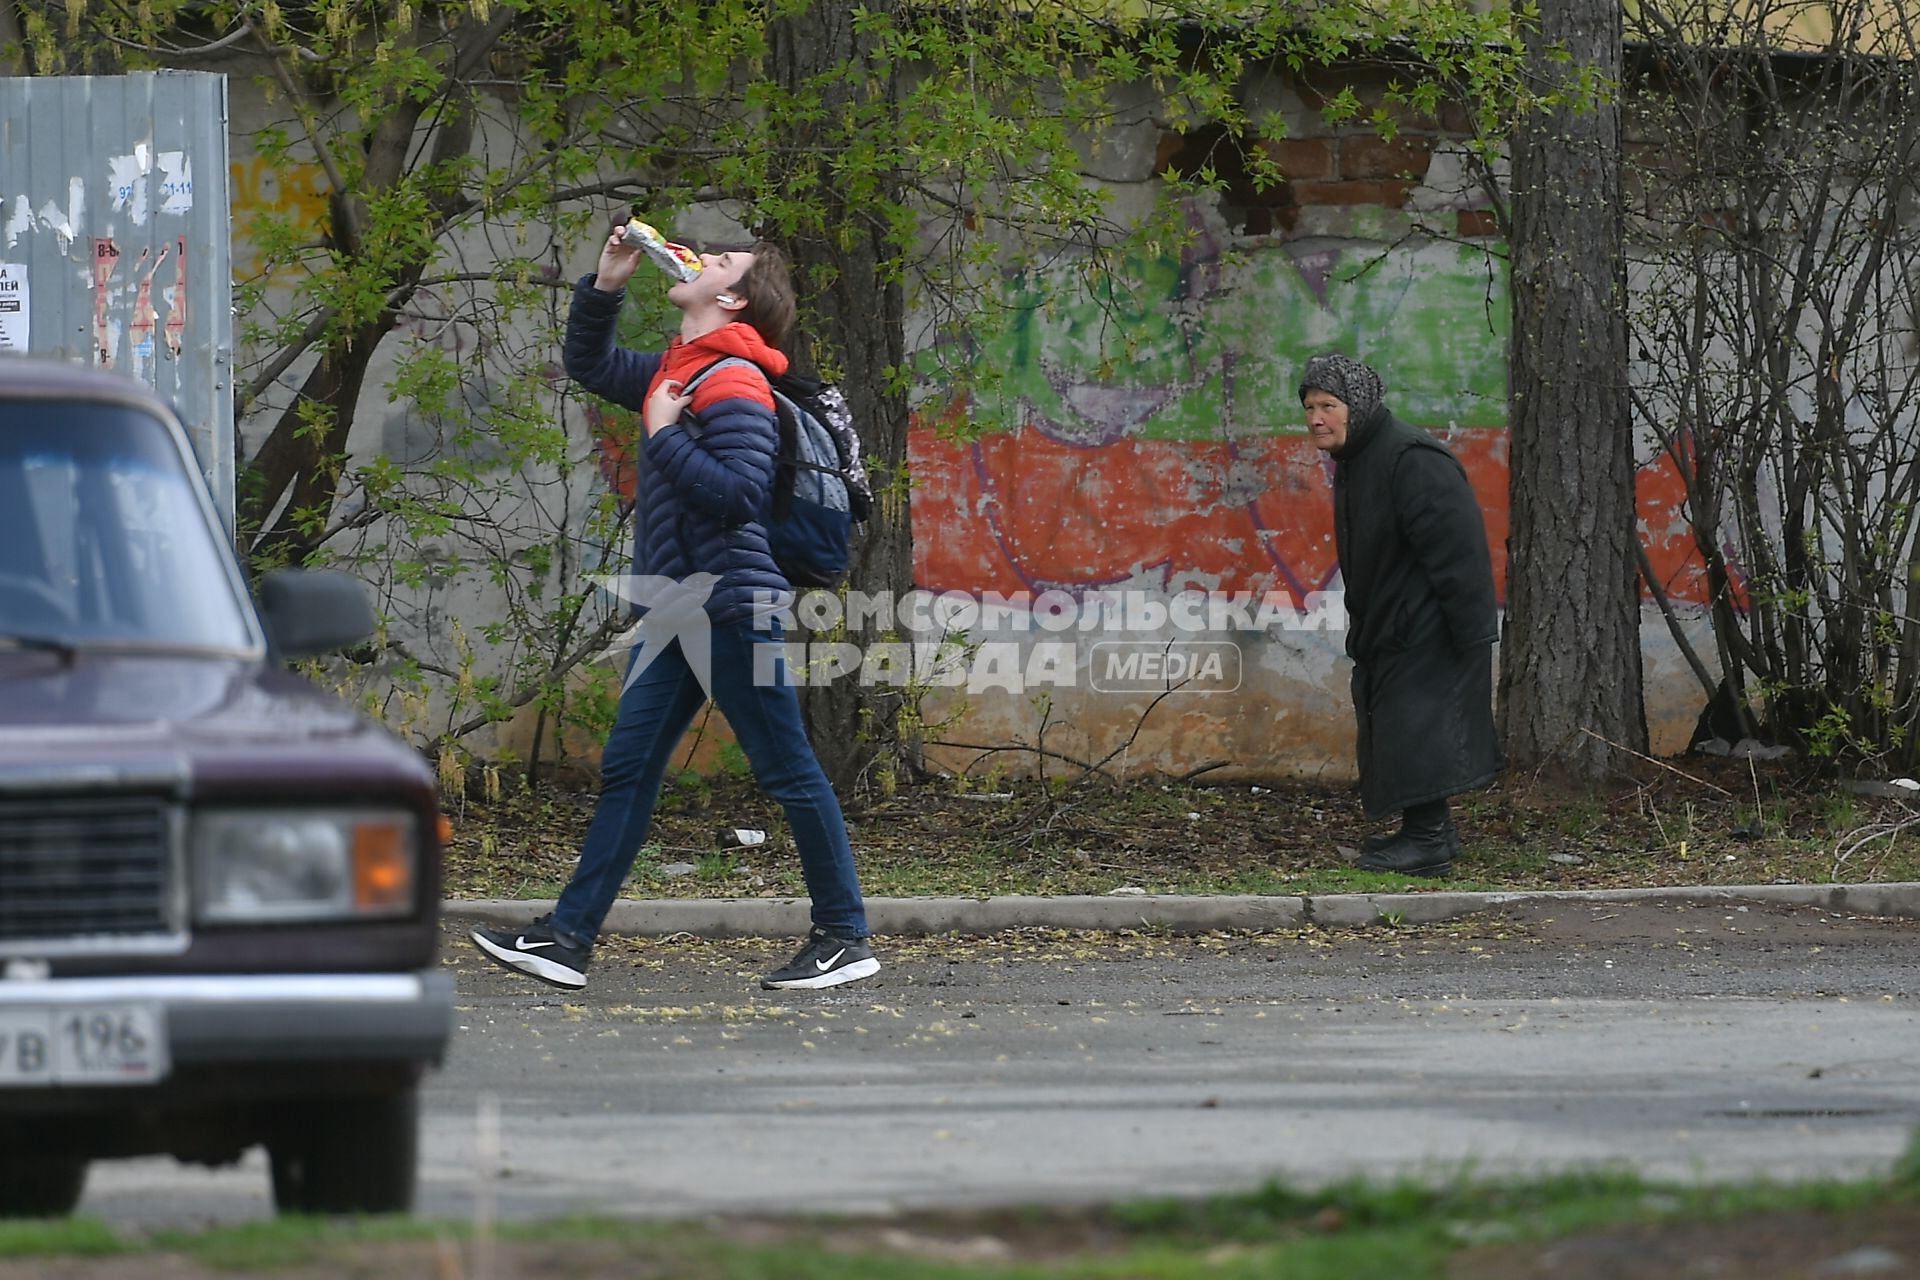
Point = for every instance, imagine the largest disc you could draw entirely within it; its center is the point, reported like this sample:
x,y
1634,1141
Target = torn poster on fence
x,y
15,314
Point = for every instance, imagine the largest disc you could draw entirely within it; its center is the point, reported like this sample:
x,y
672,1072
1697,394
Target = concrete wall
x,y
1151,440
1167,452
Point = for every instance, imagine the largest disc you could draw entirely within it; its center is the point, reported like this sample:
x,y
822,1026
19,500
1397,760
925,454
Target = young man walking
x,y
704,473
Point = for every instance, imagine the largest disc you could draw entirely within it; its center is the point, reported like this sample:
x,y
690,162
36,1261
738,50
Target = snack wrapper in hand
x,y
676,260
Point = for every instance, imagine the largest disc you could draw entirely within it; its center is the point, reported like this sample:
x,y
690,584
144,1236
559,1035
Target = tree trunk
x,y
1570,661
852,325
302,464
297,461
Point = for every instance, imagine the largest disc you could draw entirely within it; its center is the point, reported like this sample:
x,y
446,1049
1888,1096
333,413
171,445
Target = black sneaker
x,y
826,961
537,952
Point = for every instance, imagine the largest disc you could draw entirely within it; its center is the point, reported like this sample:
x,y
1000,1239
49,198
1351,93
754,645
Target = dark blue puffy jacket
x,y
700,493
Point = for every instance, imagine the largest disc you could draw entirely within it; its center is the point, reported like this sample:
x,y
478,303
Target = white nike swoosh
x,y
830,961
521,944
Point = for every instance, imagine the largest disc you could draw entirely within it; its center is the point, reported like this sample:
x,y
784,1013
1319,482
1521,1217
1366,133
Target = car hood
x,y
202,715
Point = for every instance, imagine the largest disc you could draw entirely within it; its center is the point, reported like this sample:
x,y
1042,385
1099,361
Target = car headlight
x,y
302,864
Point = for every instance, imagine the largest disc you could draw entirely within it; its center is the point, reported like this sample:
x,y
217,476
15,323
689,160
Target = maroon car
x,y
218,884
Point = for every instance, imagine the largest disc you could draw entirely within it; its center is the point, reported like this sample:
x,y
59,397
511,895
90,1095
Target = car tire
x,y
40,1187
347,1155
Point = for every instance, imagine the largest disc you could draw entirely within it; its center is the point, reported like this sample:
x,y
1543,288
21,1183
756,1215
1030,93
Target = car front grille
x,y
85,866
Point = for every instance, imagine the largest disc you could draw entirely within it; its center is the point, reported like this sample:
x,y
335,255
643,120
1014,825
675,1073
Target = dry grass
x,y
1719,822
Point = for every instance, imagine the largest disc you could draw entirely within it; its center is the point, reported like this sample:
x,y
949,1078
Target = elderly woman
x,y
1421,614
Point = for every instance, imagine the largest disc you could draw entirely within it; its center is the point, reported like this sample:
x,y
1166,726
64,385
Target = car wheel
x,y
40,1187
347,1155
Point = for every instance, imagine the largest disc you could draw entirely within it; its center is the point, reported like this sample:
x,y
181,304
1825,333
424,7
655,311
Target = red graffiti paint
x,y
1020,511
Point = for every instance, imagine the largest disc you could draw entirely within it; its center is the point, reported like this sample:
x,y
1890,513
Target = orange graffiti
x,y
1671,549
264,190
1020,511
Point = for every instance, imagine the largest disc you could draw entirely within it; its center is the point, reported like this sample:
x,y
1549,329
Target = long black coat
x,y
1421,615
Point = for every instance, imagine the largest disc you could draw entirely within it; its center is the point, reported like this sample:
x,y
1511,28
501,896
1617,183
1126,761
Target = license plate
x,y
83,1044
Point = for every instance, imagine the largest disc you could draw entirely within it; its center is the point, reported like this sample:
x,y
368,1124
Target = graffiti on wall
x,y
265,192
1148,432
1152,435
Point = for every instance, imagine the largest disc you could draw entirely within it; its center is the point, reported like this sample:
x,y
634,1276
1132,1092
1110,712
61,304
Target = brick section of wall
x,y
1347,164
1455,120
1301,159
1319,86
1251,210
1171,145
1403,157
1476,223
1372,191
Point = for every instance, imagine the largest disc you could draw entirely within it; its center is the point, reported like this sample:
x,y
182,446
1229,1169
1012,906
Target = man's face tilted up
x,y
717,285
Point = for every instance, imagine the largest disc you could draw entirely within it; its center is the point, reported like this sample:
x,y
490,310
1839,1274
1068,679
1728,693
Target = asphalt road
x,y
1685,1042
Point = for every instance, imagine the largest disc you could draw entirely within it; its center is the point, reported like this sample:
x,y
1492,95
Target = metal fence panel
x,y
115,238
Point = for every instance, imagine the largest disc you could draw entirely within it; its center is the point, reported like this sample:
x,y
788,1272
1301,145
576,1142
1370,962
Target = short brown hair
x,y
768,288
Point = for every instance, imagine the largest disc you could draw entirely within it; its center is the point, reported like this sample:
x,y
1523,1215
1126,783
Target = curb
x,y
900,917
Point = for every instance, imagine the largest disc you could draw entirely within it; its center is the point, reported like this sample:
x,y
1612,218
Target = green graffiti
x,y
1215,351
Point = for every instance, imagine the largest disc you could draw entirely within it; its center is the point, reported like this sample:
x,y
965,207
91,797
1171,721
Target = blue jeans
x,y
655,711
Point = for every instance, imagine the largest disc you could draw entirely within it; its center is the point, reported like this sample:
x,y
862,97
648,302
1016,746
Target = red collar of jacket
x,y
684,359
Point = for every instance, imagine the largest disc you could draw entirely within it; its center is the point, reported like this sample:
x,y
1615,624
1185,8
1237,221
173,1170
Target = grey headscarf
x,y
1347,379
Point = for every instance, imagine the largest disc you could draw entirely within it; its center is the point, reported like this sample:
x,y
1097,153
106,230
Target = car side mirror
x,y
309,612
